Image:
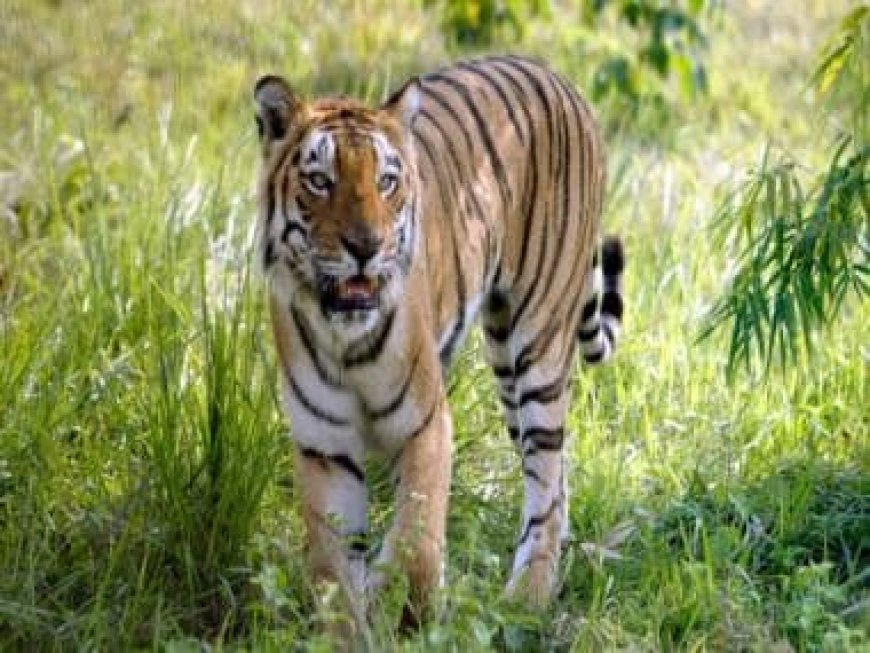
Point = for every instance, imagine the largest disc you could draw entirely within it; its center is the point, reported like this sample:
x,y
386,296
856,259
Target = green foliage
x,y
652,46
802,255
670,44
798,534
803,251
481,23
842,73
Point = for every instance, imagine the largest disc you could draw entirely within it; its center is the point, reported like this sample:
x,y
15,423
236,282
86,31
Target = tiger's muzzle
x,y
358,292
361,280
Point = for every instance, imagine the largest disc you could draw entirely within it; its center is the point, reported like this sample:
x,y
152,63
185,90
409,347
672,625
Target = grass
x,y
146,500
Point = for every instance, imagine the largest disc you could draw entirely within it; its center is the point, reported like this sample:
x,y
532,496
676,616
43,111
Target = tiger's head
x,y
338,205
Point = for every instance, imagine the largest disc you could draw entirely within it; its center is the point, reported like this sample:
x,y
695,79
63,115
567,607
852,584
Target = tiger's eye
x,y
387,183
318,182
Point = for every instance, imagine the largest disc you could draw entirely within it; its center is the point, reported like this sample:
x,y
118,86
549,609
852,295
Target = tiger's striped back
x,y
510,156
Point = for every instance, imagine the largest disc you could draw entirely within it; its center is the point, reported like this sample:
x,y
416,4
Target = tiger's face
x,y
349,193
340,204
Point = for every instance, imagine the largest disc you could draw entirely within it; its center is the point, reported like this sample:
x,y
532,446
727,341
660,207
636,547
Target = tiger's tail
x,y
601,320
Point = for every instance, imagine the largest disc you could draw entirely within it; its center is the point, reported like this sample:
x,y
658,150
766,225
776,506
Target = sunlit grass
x,y
146,499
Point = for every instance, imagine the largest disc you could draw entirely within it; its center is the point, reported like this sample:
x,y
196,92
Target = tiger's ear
x,y
277,107
405,103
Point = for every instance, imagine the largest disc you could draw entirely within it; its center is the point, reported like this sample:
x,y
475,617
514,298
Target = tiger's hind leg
x,y
533,387
533,363
496,320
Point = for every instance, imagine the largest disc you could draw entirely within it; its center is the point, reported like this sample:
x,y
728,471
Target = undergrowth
x,y
146,494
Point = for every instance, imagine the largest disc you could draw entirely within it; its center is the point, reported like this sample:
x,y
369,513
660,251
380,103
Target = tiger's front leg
x,y
334,511
415,542
329,468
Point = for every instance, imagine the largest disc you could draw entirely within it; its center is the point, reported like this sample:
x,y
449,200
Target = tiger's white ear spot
x,y
404,104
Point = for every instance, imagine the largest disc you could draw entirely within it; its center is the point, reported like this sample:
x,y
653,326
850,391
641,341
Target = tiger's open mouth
x,y
356,293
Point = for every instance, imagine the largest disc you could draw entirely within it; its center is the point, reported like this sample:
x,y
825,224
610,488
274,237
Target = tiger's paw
x,y
534,584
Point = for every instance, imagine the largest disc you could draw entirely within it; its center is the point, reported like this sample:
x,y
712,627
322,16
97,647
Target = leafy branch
x,y
804,252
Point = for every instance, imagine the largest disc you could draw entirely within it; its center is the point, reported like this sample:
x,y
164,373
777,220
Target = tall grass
x,y
146,499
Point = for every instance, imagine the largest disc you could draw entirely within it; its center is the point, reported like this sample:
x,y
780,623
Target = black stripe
x,y
489,258
413,434
318,412
348,122
530,179
596,357
529,354
507,402
451,150
524,361
304,208
311,349
578,107
611,304
446,202
530,183
544,394
588,335
495,161
532,198
585,146
358,542
341,459
336,156
608,333
368,348
528,197
393,406
269,256
283,197
407,252
564,187
496,278
503,371
441,101
289,228
282,194
527,297
447,351
532,474
477,70
527,226
496,301
346,462
539,520
589,309
497,333
270,202
426,421
613,257
454,156
513,433
545,439
541,94
519,65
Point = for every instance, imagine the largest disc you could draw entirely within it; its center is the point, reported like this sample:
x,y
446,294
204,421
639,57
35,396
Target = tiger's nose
x,y
362,246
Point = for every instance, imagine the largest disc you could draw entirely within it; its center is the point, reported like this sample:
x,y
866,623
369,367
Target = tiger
x,y
476,189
